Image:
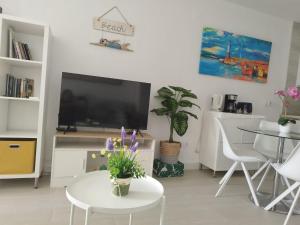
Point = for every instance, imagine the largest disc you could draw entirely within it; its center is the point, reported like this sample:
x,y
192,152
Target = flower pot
x,y
285,129
169,152
121,186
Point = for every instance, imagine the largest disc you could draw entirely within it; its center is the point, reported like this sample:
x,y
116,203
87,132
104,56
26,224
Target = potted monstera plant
x,y
175,101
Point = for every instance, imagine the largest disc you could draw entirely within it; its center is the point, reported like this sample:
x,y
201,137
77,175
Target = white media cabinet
x,y
72,154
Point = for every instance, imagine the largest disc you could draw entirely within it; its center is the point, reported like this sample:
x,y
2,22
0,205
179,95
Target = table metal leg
x,y
162,211
130,218
87,215
72,214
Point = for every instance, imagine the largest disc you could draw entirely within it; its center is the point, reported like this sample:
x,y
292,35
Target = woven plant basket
x,y
169,152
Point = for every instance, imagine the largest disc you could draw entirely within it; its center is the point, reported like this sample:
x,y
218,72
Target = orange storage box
x,y
17,156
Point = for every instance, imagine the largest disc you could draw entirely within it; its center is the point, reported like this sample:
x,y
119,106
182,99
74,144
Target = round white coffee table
x,y
93,193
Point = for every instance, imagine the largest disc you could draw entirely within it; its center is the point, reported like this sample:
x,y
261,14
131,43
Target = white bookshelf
x,y
18,134
21,62
24,117
35,99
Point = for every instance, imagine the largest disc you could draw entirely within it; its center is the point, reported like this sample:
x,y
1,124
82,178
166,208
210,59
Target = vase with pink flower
x,y
292,93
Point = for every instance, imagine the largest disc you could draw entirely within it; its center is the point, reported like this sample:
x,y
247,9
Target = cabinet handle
x,y
14,146
83,164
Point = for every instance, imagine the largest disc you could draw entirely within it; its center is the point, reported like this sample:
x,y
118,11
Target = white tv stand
x,y
72,152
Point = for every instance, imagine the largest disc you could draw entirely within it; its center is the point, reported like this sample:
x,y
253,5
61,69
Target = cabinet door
x,y
69,163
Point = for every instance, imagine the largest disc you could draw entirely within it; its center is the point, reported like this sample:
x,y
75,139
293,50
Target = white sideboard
x,y
72,152
211,147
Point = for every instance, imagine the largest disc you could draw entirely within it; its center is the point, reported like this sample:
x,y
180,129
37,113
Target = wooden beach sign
x,y
113,26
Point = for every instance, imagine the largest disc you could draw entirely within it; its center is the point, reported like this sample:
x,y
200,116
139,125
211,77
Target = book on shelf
x,y
18,87
17,49
11,35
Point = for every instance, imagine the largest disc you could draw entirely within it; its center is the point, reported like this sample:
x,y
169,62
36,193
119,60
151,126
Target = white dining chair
x,y
238,156
267,145
289,169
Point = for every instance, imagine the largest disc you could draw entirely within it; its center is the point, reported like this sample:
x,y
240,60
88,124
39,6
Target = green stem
x,y
171,131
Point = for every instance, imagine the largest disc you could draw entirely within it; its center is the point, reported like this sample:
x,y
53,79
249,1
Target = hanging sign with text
x,y
113,26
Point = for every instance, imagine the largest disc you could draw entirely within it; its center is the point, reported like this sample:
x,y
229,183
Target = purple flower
x,y
133,137
109,144
123,135
294,92
134,147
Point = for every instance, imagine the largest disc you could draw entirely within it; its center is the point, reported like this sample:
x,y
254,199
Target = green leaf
x,y
187,103
161,111
189,113
283,121
171,104
189,95
180,89
165,92
180,123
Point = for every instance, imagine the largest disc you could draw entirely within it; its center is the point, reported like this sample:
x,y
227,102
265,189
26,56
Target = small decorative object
x,y
283,121
162,169
228,55
174,100
117,27
113,44
122,163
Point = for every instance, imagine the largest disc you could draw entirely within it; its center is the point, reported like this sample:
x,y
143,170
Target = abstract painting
x,y
229,55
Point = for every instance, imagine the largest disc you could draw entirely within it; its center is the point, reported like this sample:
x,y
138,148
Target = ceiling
x,y
288,9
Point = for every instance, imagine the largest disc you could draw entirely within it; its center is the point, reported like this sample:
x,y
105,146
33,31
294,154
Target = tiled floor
x,y
190,201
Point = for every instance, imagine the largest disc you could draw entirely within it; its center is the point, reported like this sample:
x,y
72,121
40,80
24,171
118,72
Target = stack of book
x,y
17,49
18,87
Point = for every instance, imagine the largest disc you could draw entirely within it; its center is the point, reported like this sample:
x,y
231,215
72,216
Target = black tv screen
x,y
91,101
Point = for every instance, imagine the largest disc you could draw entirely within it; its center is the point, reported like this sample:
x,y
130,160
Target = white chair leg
x,y
263,177
260,169
72,214
248,178
282,195
226,179
292,207
229,172
162,211
287,183
130,218
87,216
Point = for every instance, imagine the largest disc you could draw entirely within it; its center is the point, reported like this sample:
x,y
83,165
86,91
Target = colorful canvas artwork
x,y
228,55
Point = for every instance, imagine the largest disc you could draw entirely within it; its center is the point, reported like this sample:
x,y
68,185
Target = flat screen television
x,y
91,101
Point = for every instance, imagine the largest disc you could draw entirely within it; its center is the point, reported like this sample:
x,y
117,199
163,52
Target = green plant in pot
x,y
175,101
122,163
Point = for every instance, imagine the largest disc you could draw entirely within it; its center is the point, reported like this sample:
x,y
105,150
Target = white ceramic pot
x,y
285,129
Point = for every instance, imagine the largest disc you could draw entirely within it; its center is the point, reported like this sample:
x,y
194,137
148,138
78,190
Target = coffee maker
x,y
230,103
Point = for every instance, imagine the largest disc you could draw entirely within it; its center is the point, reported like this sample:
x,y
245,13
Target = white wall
x,y
167,50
